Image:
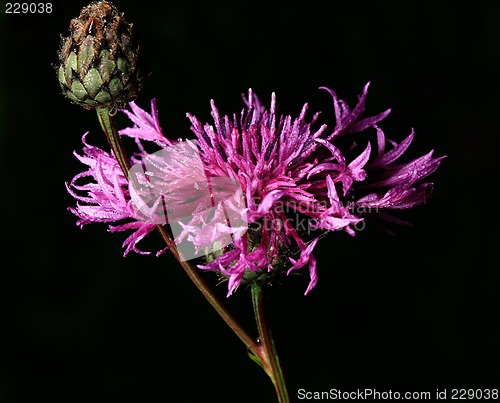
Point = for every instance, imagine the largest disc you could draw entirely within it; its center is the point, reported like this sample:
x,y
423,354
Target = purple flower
x,y
104,197
291,168
299,179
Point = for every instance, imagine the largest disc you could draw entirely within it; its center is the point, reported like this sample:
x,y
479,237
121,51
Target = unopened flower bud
x,y
98,60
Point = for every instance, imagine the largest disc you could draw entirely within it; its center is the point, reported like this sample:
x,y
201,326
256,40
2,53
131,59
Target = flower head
x,y
292,169
298,180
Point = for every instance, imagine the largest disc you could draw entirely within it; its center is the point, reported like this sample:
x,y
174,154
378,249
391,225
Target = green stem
x,y
271,363
116,145
114,139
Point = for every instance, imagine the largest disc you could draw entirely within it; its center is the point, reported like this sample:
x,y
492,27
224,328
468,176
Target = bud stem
x,y
114,139
116,145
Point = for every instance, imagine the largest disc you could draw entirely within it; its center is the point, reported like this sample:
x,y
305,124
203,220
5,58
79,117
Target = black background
x,y
414,312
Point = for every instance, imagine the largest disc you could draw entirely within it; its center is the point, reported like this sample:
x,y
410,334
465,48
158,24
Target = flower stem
x,y
271,363
116,145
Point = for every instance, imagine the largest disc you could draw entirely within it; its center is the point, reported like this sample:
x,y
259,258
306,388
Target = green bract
x,y
98,60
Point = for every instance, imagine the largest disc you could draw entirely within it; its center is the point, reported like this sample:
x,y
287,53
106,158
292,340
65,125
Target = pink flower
x,y
292,168
106,196
298,180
